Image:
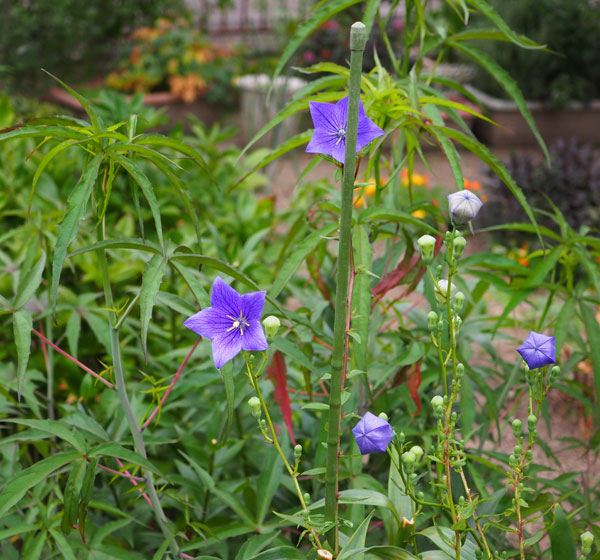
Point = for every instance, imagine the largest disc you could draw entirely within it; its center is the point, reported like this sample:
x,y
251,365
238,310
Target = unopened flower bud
x,y
440,325
441,291
512,461
587,539
383,415
324,554
460,370
417,451
401,437
516,426
254,404
437,402
271,324
461,501
531,422
306,498
420,496
409,459
459,300
464,206
263,423
426,246
529,454
458,246
517,451
298,451
432,319
554,373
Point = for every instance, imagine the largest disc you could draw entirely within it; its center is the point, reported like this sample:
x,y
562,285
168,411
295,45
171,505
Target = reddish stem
x,y
134,481
168,391
119,473
74,360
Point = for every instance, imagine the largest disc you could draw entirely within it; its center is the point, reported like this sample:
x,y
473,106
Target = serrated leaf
x,y
22,325
31,476
151,281
67,229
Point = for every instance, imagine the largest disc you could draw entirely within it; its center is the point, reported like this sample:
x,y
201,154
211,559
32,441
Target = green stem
x,y
358,38
136,433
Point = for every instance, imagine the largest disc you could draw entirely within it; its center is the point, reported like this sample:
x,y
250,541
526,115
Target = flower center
x,y
239,323
340,134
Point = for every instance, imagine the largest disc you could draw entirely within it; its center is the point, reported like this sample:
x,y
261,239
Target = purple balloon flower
x,y
232,322
372,434
464,206
331,121
538,350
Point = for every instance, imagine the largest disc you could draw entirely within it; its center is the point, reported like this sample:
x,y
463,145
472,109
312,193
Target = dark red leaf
x,y
277,372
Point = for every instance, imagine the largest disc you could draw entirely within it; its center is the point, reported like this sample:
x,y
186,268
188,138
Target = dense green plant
x,y
569,70
571,180
67,37
131,444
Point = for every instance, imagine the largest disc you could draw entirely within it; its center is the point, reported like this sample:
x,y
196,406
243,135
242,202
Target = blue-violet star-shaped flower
x,y
464,206
372,434
538,350
331,121
232,322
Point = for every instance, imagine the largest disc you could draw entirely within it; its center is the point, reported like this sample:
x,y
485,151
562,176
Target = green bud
x,y
263,423
401,437
587,540
409,459
271,324
306,498
478,553
254,404
383,416
420,496
460,370
440,325
441,291
459,300
453,417
531,422
461,501
437,402
432,318
298,451
458,246
417,451
554,373
426,246
512,461
413,477
529,454
516,426
517,451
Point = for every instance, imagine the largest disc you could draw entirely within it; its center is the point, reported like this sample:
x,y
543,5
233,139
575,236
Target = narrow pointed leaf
x,y
31,282
67,229
22,325
562,541
152,279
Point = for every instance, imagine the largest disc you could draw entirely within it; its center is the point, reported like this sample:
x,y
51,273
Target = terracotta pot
x,y
576,120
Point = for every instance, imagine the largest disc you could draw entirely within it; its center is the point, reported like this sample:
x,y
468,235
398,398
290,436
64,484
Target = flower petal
x,y
367,131
225,347
224,297
252,305
341,112
338,152
208,323
254,337
322,142
324,116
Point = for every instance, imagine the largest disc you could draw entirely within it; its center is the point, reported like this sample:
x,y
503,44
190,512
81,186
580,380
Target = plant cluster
x,y
174,56
188,373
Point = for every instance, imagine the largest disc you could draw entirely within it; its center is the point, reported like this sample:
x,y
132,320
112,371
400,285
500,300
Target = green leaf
x,y
31,282
356,541
561,537
592,330
442,536
112,449
144,183
172,143
71,495
72,330
318,16
507,83
22,482
293,262
253,546
268,482
280,553
35,547
152,279
123,243
17,530
28,131
84,102
67,229
22,325
56,428
63,545
395,553
163,547
227,376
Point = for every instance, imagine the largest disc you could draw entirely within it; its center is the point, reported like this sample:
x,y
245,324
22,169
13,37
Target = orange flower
x,y
419,214
367,190
472,185
417,179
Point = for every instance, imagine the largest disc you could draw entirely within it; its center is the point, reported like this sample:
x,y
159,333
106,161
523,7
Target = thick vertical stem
x,y
358,38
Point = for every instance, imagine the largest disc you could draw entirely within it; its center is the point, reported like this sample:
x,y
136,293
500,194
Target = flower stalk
x,y
358,37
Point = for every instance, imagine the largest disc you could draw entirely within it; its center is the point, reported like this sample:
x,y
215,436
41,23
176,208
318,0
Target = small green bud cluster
x,y
432,320
297,452
437,403
458,246
587,539
531,422
459,300
516,426
254,404
426,246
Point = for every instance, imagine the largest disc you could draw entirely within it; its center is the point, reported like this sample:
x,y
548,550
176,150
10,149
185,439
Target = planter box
x,y
576,120
175,108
